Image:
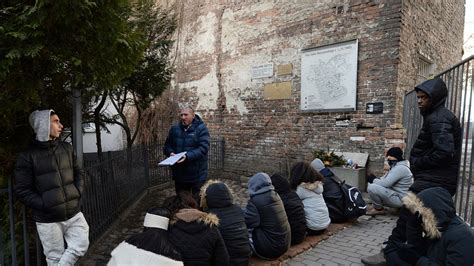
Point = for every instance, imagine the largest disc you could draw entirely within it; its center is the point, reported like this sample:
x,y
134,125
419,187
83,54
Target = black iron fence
x,y
460,101
112,184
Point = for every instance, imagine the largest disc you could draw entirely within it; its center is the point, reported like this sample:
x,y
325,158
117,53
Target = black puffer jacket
x,y
447,239
293,207
436,154
266,216
196,237
217,198
48,180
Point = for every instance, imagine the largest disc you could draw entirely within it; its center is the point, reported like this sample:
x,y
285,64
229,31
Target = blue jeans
x,y
382,196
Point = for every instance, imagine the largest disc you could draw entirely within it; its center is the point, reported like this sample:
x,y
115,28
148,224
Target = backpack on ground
x,y
354,205
344,202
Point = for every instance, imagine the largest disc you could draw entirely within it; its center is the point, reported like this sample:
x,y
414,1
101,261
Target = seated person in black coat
x,y
216,197
194,233
435,234
293,206
332,192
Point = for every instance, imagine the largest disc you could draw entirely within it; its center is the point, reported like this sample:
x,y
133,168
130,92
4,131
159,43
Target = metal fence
x,y
112,184
460,85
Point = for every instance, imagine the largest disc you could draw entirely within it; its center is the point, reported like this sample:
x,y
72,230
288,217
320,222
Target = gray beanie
x,y
317,165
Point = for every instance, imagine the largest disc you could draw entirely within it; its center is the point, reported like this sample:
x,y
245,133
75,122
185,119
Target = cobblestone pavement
x,y
344,248
350,245
132,222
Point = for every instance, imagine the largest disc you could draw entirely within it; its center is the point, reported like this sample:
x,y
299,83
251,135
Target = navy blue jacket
x,y
195,142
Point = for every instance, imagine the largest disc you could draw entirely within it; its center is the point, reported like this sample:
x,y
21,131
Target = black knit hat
x,y
396,152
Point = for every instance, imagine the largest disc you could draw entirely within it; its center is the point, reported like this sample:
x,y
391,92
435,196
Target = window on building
x,y
425,69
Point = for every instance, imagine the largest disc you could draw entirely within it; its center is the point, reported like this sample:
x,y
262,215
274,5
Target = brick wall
x,y
219,42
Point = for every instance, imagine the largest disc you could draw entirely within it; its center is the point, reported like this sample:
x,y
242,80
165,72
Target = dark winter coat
x,y
436,154
196,236
265,215
293,207
447,239
333,196
217,198
195,142
48,180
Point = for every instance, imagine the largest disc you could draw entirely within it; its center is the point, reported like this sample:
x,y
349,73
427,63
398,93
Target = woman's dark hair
x,y
303,172
156,239
184,200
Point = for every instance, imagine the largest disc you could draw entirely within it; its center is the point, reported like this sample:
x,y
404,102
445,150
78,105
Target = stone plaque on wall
x,y
277,90
262,71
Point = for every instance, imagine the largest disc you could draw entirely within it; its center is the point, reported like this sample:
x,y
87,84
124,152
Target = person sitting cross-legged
x,y
294,208
217,198
393,186
308,184
265,216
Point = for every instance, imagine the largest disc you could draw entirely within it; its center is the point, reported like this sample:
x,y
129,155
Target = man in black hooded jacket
x,y
49,181
435,156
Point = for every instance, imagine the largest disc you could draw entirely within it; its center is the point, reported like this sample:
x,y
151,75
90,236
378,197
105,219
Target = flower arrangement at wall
x,y
329,158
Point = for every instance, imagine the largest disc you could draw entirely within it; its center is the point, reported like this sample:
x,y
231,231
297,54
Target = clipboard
x,y
172,159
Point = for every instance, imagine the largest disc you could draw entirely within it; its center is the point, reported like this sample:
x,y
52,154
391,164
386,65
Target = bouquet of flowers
x,y
329,158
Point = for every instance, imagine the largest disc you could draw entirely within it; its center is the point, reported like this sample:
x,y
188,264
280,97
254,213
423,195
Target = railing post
x,y
12,221
146,164
25,237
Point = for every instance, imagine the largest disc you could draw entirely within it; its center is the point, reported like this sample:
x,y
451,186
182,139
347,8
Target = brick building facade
x,y
218,43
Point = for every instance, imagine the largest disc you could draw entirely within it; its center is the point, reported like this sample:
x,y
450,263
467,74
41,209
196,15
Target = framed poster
x,y
329,77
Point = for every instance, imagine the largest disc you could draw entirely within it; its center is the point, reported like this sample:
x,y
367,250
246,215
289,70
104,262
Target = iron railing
x,y
460,85
112,184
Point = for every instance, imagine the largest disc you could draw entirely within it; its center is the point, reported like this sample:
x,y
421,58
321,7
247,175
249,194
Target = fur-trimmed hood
x,y
194,215
436,207
216,194
316,186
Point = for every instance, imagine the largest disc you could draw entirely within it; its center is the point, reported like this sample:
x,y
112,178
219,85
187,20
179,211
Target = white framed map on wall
x,y
329,77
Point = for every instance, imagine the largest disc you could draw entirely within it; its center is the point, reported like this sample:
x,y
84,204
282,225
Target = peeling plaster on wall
x,y
253,22
206,90
200,37
237,82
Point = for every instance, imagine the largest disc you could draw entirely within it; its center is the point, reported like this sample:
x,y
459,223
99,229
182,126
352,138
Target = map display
x,y
329,77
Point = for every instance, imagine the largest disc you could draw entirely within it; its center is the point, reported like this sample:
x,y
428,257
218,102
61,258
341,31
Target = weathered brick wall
x,y
219,41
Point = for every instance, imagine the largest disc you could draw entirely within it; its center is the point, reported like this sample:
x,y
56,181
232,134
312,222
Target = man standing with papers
x,y
191,136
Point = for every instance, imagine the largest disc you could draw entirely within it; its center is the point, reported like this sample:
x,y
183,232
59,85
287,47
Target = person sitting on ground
x,y
194,233
435,234
216,197
265,216
332,193
309,186
293,207
393,186
151,247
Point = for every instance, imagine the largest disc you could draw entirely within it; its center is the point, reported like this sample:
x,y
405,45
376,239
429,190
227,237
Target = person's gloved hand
x,y
408,254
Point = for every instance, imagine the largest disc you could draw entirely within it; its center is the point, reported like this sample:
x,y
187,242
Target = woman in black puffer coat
x,y
293,206
216,198
194,233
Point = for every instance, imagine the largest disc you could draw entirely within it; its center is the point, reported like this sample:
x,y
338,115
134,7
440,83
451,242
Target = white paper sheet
x,y
172,159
